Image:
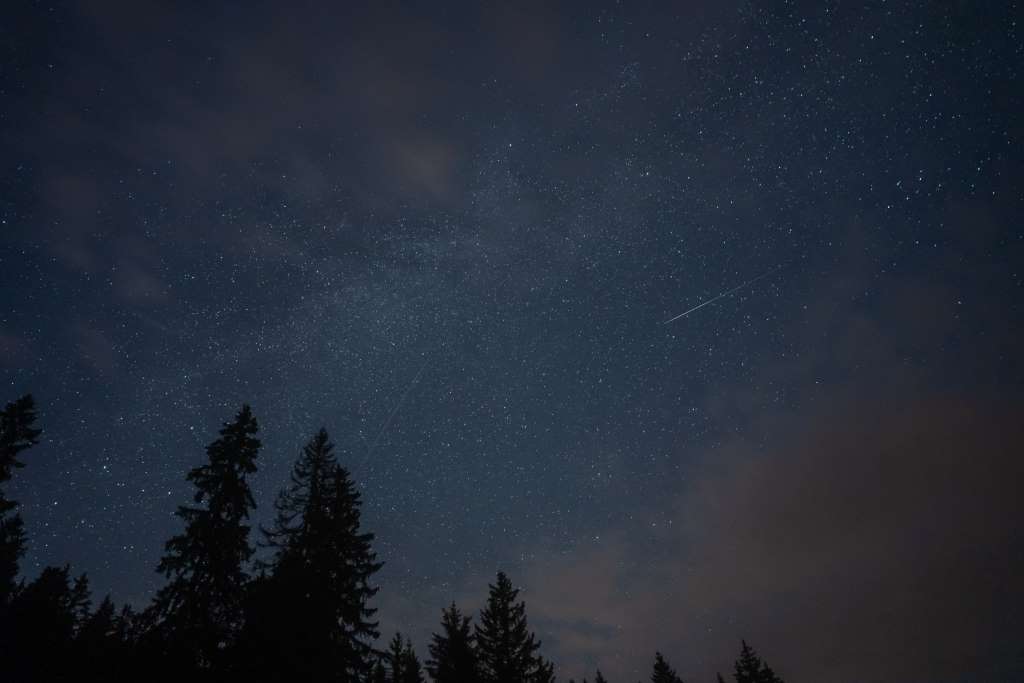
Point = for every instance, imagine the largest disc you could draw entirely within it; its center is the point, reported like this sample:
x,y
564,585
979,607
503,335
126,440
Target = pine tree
x,y
403,663
199,610
300,507
343,563
413,669
44,618
99,627
101,643
319,582
544,671
396,659
750,669
599,678
452,658
663,672
506,649
380,673
17,434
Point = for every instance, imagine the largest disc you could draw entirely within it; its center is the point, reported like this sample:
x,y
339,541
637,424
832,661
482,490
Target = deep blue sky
x,y
453,236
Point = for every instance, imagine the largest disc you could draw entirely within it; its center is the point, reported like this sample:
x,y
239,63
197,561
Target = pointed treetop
x,y
506,648
663,672
750,669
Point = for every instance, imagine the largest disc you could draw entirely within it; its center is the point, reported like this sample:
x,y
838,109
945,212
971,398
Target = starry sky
x,y
453,235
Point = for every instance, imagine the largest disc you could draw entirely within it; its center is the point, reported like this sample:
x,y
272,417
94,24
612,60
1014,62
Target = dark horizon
x,y
701,321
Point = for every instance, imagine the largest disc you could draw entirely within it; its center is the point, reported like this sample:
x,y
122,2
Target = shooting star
x,y
398,405
723,294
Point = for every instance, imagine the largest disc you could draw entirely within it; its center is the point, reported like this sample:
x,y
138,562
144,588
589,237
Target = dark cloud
x,y
867,526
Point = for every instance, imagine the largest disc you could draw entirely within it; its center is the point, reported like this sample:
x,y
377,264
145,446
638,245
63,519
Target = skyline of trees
x,y
304,614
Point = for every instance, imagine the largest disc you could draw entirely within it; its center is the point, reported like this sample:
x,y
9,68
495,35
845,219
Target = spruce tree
x,y
413,669
506,648
300,508
343,563
198,612
379,673
403,663
452,658
318,587
102,644
544,671
396,659
750,669
99,627
663,672
17,434
44,618
599,678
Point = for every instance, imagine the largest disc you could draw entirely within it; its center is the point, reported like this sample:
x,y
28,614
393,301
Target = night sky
x,y
453,235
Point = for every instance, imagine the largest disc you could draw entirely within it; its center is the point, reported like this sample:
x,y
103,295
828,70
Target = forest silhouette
x,y
304,614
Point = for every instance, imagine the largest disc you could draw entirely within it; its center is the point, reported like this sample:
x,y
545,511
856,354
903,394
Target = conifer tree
x,y
506,648
343,562
544,671
99,627
396,659
403,662
319,585
452,658
199,610
413,668
300,508
599,678
17,434
663,672
750,669
102,644
44,618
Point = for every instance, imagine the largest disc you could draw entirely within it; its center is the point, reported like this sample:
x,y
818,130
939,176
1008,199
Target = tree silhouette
x,y
403,664
544,671
44,619
319,585
199,611
305,617
17,434
301,507
506,649
103,643
99,626
750,669
663,673
452,657
379,674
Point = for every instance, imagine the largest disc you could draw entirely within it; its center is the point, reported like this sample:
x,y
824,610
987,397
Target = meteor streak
x,y
723,294
398,405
